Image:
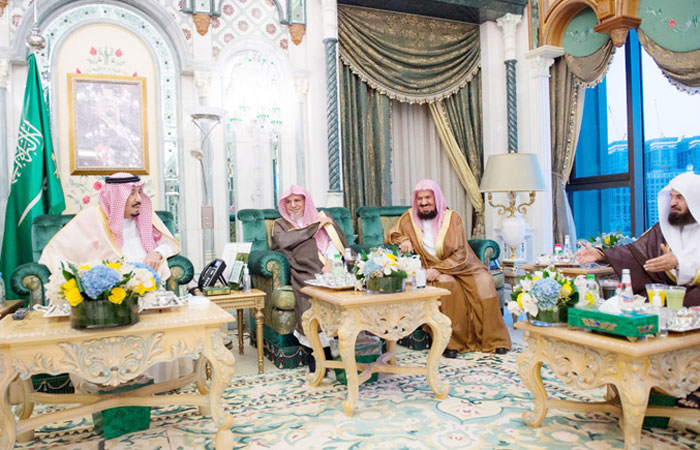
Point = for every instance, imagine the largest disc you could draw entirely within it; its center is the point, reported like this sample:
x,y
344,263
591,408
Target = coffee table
x,y
389,316
111,357
586,360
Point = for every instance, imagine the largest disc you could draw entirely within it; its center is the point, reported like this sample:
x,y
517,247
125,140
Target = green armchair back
x,y
28,279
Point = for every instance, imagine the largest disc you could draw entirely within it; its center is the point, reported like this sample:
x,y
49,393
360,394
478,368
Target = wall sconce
x,y
512,173
202,11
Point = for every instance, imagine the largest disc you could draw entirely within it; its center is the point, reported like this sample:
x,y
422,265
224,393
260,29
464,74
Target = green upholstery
x,y
29,279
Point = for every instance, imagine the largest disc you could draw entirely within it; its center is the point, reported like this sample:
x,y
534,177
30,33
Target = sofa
x,y
28,280
270,272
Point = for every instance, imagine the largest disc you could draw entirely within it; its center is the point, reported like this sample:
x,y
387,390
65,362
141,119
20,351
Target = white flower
x,y
526,284
387,271
514,308
529,304
53,288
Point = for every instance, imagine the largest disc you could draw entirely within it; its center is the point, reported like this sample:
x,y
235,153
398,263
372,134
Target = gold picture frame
x,y
108,124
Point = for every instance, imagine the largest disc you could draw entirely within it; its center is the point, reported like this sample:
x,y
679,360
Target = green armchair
x,y
28,280
269,272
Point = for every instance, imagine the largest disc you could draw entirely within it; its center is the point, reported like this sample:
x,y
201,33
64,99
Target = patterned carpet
x,y
278,410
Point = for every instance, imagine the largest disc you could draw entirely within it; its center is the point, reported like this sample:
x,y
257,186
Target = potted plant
x,y
545,296
103,294
383,271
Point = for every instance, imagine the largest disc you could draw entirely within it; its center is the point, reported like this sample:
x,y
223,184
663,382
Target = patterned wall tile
x,y
241,18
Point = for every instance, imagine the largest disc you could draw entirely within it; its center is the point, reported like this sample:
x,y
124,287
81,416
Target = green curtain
x,y
410,58
464,114
365,123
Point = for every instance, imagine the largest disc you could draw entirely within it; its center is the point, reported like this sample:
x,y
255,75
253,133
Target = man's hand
x,y
666,261
323,221
153,260
431,274
406,246
328,266
587,254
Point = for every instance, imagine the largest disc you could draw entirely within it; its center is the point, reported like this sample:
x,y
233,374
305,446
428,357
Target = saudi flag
x,y
35,185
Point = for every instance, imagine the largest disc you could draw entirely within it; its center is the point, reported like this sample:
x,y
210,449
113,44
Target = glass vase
x,y
384,285
550,317
94,314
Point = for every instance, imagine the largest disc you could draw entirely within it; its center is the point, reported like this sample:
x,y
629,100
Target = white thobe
x,y
688,262
428,238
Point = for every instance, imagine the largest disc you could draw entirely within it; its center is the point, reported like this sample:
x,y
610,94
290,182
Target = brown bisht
x,y
299,246
633,256
473,308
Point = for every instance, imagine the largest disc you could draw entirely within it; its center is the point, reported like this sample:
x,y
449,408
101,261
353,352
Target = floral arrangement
x,y
107,280
382,262
545,290
609,240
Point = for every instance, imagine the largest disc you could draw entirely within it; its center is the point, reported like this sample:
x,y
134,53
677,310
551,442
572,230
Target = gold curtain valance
x,y
408,58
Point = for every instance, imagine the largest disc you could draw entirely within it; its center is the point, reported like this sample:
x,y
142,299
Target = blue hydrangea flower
x,y
98,280
138,265
546,291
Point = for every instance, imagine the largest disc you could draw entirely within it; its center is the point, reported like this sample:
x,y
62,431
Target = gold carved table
x,y
110,357
9,307
239,300
629,370
389,316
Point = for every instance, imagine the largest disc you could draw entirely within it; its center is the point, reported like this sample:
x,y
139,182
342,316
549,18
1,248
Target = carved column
x,y
508,23
541,216
4,168
330,41
301,86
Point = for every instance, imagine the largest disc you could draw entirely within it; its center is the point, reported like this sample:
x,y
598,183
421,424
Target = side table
x,y
239,300
9,307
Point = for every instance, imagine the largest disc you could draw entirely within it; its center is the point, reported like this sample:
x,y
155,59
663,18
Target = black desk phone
x,y
212,274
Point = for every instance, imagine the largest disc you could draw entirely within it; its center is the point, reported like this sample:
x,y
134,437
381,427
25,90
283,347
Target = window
x,y
637,132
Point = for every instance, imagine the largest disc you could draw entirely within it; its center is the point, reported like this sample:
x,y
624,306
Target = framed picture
x,y
108,124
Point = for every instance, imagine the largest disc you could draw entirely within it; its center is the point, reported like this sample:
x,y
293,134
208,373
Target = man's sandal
x,y
692,397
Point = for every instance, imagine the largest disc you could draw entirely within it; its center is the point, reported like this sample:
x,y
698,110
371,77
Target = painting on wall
x,y
108,124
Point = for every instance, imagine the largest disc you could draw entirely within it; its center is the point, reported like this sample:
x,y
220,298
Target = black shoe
x,y
449,353
501,351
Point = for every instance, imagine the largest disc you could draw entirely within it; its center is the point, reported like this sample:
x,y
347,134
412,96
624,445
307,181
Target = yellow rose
x,y
85,267
566,289
536,278
114,265
607,240
140,289
74,297
520,300
153,286
70,284
118,295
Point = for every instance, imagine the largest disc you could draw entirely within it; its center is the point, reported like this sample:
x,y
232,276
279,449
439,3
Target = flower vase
x,y
550,317
384,285
95,314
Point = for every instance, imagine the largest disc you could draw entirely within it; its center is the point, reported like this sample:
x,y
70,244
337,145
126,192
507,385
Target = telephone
x,y
212,273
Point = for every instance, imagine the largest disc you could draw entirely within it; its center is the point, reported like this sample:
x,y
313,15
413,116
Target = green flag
x,y
35,185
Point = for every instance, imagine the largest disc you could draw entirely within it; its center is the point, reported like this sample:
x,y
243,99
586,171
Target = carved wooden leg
x,y
309,323
441,328
634,396
7,419
391,348
347,335
26,407
529,369
222,362
203,370
239,315
259,318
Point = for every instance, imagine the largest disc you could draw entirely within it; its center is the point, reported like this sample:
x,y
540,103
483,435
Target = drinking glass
x,y
657,289
674,297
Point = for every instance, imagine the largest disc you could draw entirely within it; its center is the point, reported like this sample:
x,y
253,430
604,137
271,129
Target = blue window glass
x,y
601,210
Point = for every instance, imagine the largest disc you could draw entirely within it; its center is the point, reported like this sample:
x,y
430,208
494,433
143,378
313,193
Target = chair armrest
x,y
181,272
29,280
269,264
486,249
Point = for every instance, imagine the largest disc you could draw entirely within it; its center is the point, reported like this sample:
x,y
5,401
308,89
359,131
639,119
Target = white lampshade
x,y
512,172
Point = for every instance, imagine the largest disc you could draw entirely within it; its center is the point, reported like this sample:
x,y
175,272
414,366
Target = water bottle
x,y
592,290
567,248
337,269
627,295
557,252
2,290
349,260
420,278
246,278
661,313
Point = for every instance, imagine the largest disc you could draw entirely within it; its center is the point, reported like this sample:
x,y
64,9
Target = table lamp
x,y
511,173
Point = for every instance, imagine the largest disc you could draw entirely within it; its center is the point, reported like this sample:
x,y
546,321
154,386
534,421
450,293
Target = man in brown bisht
x,y
438,237
668,252
309,239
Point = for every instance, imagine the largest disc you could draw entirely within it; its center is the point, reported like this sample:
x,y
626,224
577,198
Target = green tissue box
x,y
365,352
115,422
623,325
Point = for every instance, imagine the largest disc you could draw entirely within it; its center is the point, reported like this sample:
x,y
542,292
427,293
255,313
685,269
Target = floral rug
x,y
279,410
